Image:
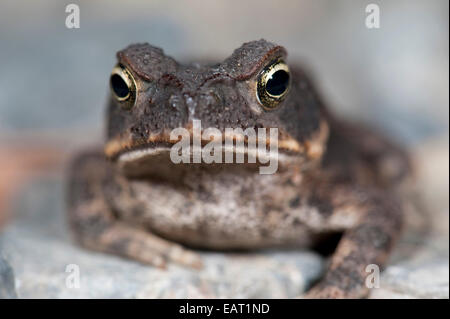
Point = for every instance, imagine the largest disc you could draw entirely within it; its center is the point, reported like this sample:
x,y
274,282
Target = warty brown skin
x,y
333,176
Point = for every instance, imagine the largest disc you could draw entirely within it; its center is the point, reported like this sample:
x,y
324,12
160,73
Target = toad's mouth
x,y
285,149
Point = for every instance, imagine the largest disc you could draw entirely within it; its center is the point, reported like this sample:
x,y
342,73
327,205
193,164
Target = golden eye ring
x,y
123,86
273,84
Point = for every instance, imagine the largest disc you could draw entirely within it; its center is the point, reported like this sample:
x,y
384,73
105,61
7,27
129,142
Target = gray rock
x,y
7,288
425,274
46,262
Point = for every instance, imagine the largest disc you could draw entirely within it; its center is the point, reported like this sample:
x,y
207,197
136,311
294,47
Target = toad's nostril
x,y
212,99
175,102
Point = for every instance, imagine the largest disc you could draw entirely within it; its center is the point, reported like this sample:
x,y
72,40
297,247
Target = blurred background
x,y
54,80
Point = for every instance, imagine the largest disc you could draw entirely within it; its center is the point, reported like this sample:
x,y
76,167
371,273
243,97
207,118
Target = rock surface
x,y
7,285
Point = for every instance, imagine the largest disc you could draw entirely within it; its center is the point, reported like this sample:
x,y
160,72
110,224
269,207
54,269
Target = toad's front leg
x,y
370,220
95,225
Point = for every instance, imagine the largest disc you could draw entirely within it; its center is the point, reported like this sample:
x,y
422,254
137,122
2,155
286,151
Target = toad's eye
x,y
123,86
273,84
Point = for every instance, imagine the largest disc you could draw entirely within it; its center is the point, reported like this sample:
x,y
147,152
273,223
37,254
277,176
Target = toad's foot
x,y
95,226
370,221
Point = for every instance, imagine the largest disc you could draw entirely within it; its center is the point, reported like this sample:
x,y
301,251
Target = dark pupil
x,y
119,86
278,83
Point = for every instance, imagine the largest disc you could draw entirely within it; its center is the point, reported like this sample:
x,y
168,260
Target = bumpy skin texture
x,y
333,177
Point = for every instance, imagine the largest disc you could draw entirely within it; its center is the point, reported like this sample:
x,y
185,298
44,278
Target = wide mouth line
x,y
312,148
240,145
259,155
